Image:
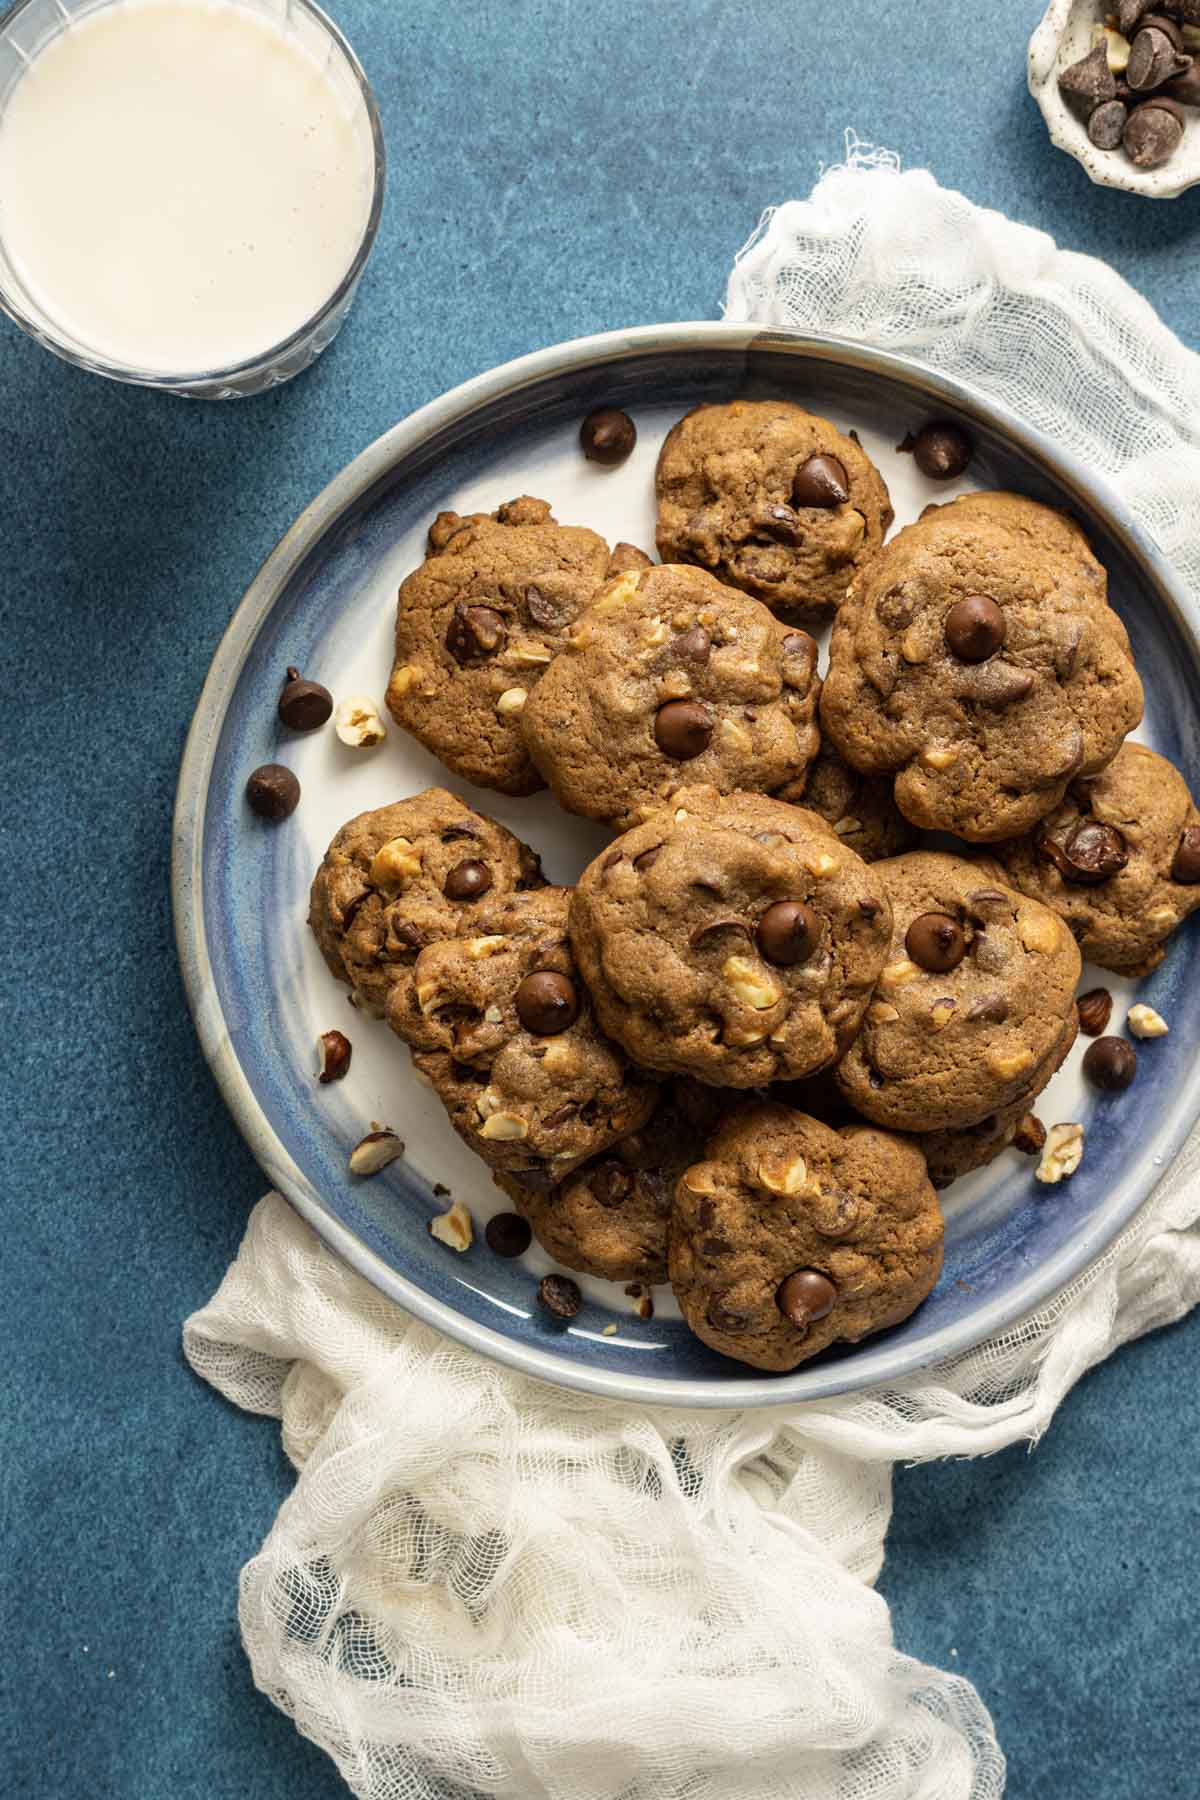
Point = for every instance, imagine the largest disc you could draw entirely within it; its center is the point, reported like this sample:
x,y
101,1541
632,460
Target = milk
x,y
182,185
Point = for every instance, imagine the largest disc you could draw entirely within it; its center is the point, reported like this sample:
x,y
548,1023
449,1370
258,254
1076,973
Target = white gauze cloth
x,y
483,1584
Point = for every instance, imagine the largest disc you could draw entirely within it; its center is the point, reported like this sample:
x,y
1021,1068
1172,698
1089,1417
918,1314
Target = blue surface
x,y
554,170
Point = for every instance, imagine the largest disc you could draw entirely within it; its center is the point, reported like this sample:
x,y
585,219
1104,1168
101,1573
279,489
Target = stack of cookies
x,y
745,1049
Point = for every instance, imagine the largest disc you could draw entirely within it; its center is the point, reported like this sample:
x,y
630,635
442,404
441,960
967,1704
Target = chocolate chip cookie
x,y
407,875
772,499
951,1154
980,667
789,1236
860,808
1118,859
477,626
733,938
669,677
610,1217
974,999
502,1027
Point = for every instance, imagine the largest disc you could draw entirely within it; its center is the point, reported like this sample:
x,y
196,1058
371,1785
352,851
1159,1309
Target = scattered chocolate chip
x,y
547,1003
1086,854
788,932
1186,867
611,1184
974,628
692,646
508,1235
304,705
805,1297
1110,1064
715,928
334,1050
559,1295
1129,13
1086,84
607,435
821,481
647,858
1153,133
1106,127
991,1010
1095,1010
780,523
683,729
1030,1136
1153,59
724,1317
467,880
474,634
941,450
936,942
273,792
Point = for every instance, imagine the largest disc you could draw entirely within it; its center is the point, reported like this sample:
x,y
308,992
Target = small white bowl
x,y
1064,35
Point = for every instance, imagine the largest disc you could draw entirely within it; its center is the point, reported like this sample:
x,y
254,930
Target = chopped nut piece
x,y
654,631
700,1179
897,973
1116,47
1007,1067
1144,1022
1030,1135
645,1307
527,656
505,1127
751,985
333,1056
941,1013
375,1152
939,759
492,1014
880,1013
608,1331
1040,932
403,678
783,1177
735,736
511,702
844,827
454,1227
358,724
395,863
1063,1153
913,648
487,1103
1095,1010
821,865
479,948
680,814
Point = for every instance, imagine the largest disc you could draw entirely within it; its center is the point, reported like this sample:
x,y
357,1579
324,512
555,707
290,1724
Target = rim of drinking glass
x,y
230,372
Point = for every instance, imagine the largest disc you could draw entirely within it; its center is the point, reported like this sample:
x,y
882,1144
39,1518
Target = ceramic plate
x,y
261,994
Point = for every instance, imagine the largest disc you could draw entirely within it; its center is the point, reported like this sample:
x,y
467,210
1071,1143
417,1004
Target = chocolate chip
x,y
547,1003
991,1010
403,932
715,928
724,1317
559,1295
647,858
974,628
535,1181
611,860
821,481
1186,867
805,1297
475,634
788,932
607,436
994,683
304,705
467,880
611,1184
1129,13
936,942
780,523
870,908
1095,1010
799,658
1167,26
1086,84
508,1235
544,609
1153,59
1106,127
683,729
1153,133
1086,854
273,792
692,646
1186,87
1110,1063
941,450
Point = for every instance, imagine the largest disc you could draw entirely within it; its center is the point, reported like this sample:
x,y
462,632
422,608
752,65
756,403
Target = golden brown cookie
x,y
980,667
670,677
406,875
1118,859
733,938
772,499
859,808
789,1236
477,626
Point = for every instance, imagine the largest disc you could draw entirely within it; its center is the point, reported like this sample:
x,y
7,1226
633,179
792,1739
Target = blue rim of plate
x,y
867,1367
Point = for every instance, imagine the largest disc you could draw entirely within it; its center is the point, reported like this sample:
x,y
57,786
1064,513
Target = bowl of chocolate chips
x,y
1118,84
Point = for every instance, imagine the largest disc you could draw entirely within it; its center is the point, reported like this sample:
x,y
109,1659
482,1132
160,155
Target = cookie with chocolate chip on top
x,y
730,937
403,876
502,1028
477,626
789,1236
1118,859
975,999
978,664
773,500
670,677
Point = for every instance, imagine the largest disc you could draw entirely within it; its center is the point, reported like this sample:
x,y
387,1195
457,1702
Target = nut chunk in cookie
x,y
772,499
1118,859
478,624
790,1236
733,938
978,663
975,1001
502,1027
406,875
669,677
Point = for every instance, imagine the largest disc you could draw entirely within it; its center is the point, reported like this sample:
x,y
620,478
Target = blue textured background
x,y
556,168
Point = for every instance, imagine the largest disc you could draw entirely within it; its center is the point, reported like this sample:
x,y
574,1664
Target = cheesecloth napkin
x,y
480,1583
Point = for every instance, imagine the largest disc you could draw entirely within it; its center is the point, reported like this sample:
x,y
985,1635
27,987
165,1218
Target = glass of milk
x,y
189,189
